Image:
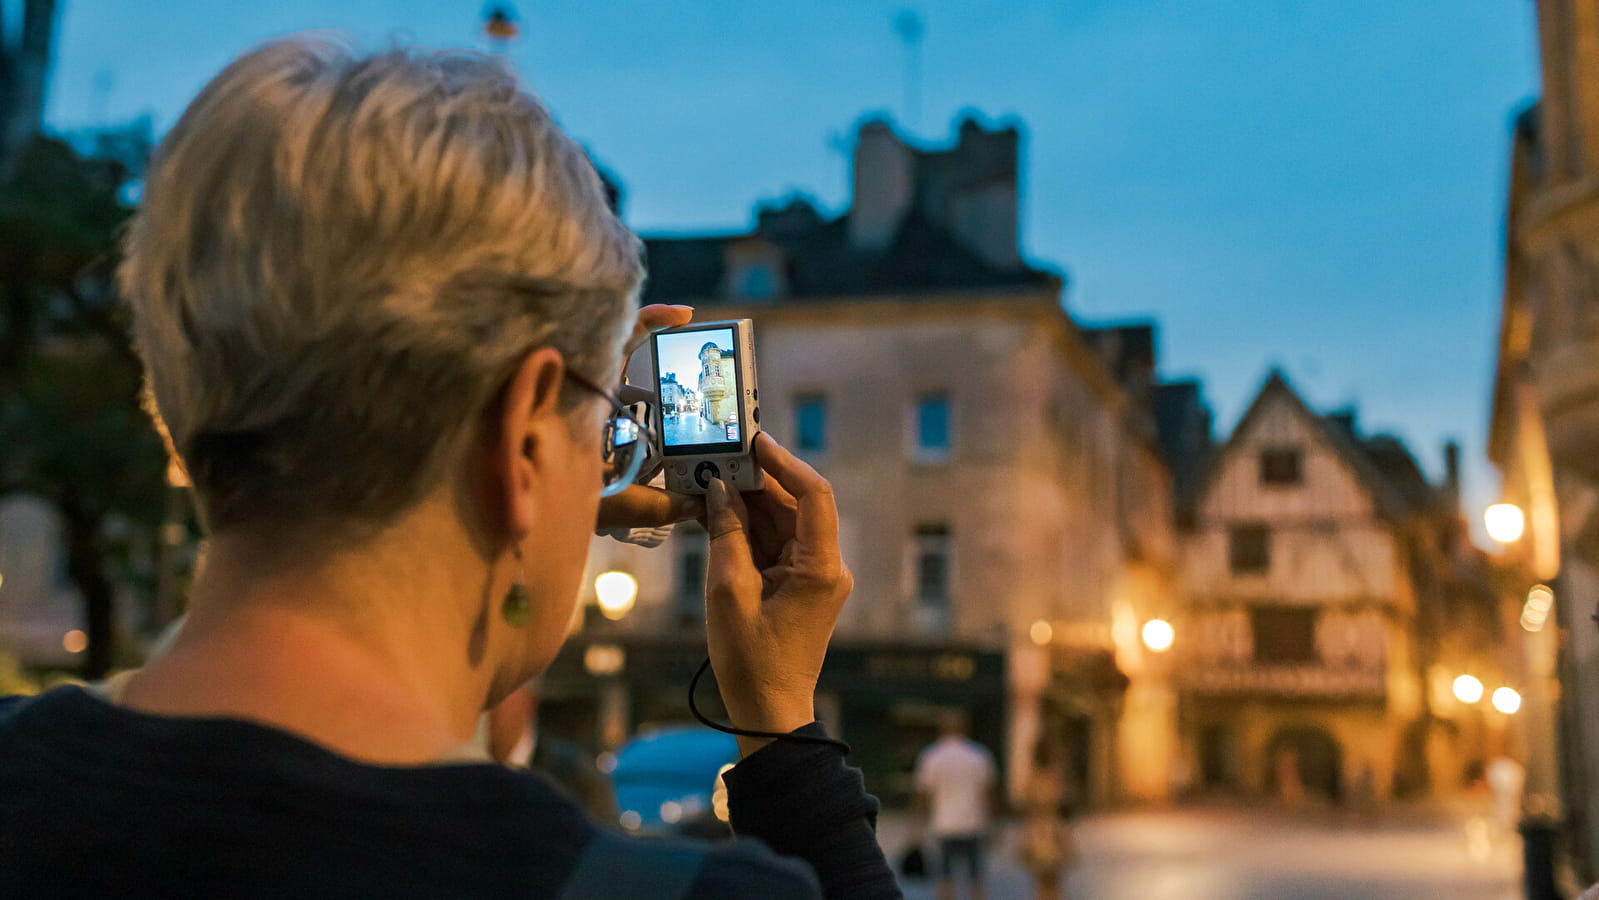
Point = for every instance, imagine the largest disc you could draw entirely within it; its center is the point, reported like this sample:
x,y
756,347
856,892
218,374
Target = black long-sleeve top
x,y
100,800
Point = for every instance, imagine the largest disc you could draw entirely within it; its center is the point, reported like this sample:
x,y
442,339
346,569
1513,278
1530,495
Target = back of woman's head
x,y
339,260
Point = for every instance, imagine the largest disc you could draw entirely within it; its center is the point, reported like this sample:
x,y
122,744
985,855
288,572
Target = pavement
x,y
1237,853
692,429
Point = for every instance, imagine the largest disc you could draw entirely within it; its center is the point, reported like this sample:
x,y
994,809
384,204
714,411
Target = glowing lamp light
x,y
1468,689
74,641
1158,635
1042,632
616,592
604,659
1507,701
1540,600
1505,522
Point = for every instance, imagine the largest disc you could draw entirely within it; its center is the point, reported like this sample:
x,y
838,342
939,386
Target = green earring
x,y
517,607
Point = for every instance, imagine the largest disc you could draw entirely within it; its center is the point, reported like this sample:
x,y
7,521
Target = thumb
x,y
730,572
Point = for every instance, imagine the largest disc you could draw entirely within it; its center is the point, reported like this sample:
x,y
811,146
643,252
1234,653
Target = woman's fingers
x,y
816,518
642,506
731,584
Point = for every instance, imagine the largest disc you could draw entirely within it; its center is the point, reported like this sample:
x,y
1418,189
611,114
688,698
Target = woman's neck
x,y
361,653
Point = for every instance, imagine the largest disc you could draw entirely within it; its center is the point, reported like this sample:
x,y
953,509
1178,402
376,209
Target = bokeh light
x,y
1507,700
616,592
1042,632
1468,689
1505,522
1158,635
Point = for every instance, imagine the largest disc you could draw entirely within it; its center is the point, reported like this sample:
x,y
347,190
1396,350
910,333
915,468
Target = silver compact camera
x,y
707,405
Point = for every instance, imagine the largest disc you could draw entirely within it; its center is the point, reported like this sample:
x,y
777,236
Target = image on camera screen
x,y
698,375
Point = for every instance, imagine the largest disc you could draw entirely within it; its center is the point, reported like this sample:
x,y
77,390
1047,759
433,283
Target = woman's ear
x,y
528,418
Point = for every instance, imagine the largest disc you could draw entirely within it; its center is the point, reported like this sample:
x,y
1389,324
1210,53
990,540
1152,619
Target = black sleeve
x,y
802,800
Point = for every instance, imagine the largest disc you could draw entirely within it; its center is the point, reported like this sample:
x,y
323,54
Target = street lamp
x,y
1468,689
1158,635
616,592
1505,522
1507,701
1042,632
604,659
1540,599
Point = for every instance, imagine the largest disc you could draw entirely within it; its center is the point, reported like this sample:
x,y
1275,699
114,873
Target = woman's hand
x,y
642,506
775,585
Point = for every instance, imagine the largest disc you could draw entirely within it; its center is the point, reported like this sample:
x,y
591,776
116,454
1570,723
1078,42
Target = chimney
x,y
1452,473
885,183
984,206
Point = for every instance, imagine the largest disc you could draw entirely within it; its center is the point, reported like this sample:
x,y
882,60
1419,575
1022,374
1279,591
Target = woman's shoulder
x,y
741,868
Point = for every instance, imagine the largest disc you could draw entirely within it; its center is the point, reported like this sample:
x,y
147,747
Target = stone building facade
x,y
1544,432
1005,505
1330,601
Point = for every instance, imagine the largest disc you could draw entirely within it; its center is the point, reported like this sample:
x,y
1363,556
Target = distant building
x,y
1005,503
1330,601
38,603
1544,431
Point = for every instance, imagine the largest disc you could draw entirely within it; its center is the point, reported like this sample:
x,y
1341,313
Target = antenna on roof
x,y
908,25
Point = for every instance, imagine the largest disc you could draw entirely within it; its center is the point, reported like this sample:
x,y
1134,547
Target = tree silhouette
x,y
72,432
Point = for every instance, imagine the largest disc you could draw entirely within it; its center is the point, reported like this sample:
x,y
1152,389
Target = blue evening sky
x,y
680,353
1315,184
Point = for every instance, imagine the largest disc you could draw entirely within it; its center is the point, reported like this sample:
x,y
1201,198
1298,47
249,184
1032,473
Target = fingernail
x,y
683,306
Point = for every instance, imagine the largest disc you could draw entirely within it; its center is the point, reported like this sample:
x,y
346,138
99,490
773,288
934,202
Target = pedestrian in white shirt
x,y
955,781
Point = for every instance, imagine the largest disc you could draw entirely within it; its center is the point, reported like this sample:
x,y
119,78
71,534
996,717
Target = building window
x,y
932,575
810,422
688,585
1282,466
932,426
1283,634
1249,549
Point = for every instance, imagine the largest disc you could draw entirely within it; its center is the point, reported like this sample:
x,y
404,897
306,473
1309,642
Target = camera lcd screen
x,y
697,376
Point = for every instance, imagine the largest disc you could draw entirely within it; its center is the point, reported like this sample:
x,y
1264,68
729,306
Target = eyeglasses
x,y
626,442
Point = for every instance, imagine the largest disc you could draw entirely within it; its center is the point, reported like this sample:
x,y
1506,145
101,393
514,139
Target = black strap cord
x,y
729,729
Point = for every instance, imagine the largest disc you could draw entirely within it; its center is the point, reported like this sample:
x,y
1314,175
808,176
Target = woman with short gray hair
x,y
383,305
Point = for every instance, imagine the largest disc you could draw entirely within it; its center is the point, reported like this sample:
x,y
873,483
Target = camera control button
x,y
704,472
732,466
756,415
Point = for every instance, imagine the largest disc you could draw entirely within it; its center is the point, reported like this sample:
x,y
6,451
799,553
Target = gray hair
x,y
340,259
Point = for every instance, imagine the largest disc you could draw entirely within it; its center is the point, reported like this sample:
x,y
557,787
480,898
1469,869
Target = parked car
x,y
669,781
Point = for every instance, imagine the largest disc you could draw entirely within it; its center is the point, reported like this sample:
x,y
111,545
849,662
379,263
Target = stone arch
x,y
1304,761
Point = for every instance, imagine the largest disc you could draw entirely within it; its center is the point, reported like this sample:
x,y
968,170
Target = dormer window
x,y
755,281
755,270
